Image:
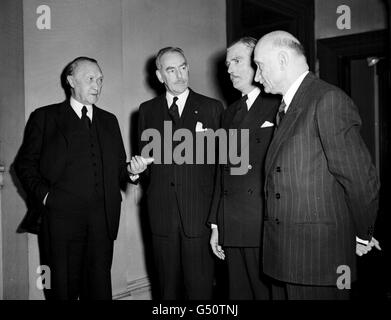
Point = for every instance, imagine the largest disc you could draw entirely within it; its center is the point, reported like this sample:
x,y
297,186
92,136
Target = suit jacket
x,y
238,204
321,188
42,159
190,186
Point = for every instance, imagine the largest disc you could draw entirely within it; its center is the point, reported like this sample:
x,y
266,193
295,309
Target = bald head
x,y
280,60
282,40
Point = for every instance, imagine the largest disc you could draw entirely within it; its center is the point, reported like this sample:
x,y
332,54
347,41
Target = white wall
x,y
121,35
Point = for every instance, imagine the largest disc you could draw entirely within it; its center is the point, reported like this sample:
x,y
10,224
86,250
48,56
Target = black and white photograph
x,y
195,158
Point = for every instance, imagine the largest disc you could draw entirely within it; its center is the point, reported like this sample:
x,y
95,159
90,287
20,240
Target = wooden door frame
x,y
333,53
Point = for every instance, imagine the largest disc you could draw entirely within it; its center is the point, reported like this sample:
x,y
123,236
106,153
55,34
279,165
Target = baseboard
x,y
139,289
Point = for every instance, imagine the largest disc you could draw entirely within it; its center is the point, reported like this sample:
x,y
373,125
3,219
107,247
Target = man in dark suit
x,y
72,163
321,187
238,204
179,195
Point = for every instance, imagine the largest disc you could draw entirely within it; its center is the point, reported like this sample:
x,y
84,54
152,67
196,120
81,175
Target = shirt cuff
x,y
44,199
213,226
364,242
133,177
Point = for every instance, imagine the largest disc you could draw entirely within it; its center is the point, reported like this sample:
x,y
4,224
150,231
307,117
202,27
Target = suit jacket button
x,y
258,140
172,184
278,169
250,191
278,196
249,167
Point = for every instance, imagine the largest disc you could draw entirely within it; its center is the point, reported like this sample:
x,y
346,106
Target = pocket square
x,y
199,127
267,124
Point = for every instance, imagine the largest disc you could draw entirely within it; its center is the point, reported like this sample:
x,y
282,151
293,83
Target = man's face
x,y
86,82
268,70
173,72
238,62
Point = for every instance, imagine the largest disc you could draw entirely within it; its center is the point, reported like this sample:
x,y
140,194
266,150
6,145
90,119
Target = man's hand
x,y
138,164
214,243
362,249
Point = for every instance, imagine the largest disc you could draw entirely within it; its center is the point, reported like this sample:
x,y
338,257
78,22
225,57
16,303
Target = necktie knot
x,y
174,111
282,106
281,112
84,111
243,103
84,118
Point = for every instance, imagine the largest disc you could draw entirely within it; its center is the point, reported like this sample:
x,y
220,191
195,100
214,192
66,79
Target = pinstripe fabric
x,y
321,188
188,186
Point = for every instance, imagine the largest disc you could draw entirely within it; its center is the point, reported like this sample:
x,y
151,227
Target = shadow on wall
x,y
146,233
222,80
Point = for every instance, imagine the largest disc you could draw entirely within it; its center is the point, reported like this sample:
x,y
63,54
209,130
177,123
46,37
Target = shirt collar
x,y
181,99
77,106
288,97
251,96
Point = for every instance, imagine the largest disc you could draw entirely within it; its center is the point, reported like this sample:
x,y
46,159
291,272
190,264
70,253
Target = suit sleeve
x,y
27,164
141,127
213,216
348,158
122,166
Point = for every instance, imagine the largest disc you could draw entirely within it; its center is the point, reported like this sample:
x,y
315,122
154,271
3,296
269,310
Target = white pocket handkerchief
x,y
199,127
267,124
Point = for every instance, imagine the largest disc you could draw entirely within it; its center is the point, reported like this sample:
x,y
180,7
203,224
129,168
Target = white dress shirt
x,y
288,96
252,96
77,106
180,102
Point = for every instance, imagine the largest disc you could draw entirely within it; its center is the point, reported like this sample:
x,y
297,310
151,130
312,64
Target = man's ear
x,y
283,59
71,81
159,76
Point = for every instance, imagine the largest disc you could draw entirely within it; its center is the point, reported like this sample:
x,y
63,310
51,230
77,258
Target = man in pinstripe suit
x,y
321,187
179,196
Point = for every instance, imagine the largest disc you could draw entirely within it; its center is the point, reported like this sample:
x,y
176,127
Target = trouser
x,y
78,250
246,282
290,291
185,265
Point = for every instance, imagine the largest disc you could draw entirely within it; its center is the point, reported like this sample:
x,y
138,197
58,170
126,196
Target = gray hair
x,y
71,66
166,50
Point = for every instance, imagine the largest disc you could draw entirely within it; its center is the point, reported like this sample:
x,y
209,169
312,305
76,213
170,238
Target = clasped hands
x,y
138,164
362,249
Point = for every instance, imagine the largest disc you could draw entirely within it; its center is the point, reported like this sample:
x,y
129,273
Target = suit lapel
x,y
287,126
104,132
63,116
190,112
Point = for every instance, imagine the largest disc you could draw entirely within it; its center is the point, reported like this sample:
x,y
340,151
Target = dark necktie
x,y
241,111
281,113
174,111
84,118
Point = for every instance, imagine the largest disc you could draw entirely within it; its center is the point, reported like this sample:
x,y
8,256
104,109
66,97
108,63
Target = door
x,y
358,65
